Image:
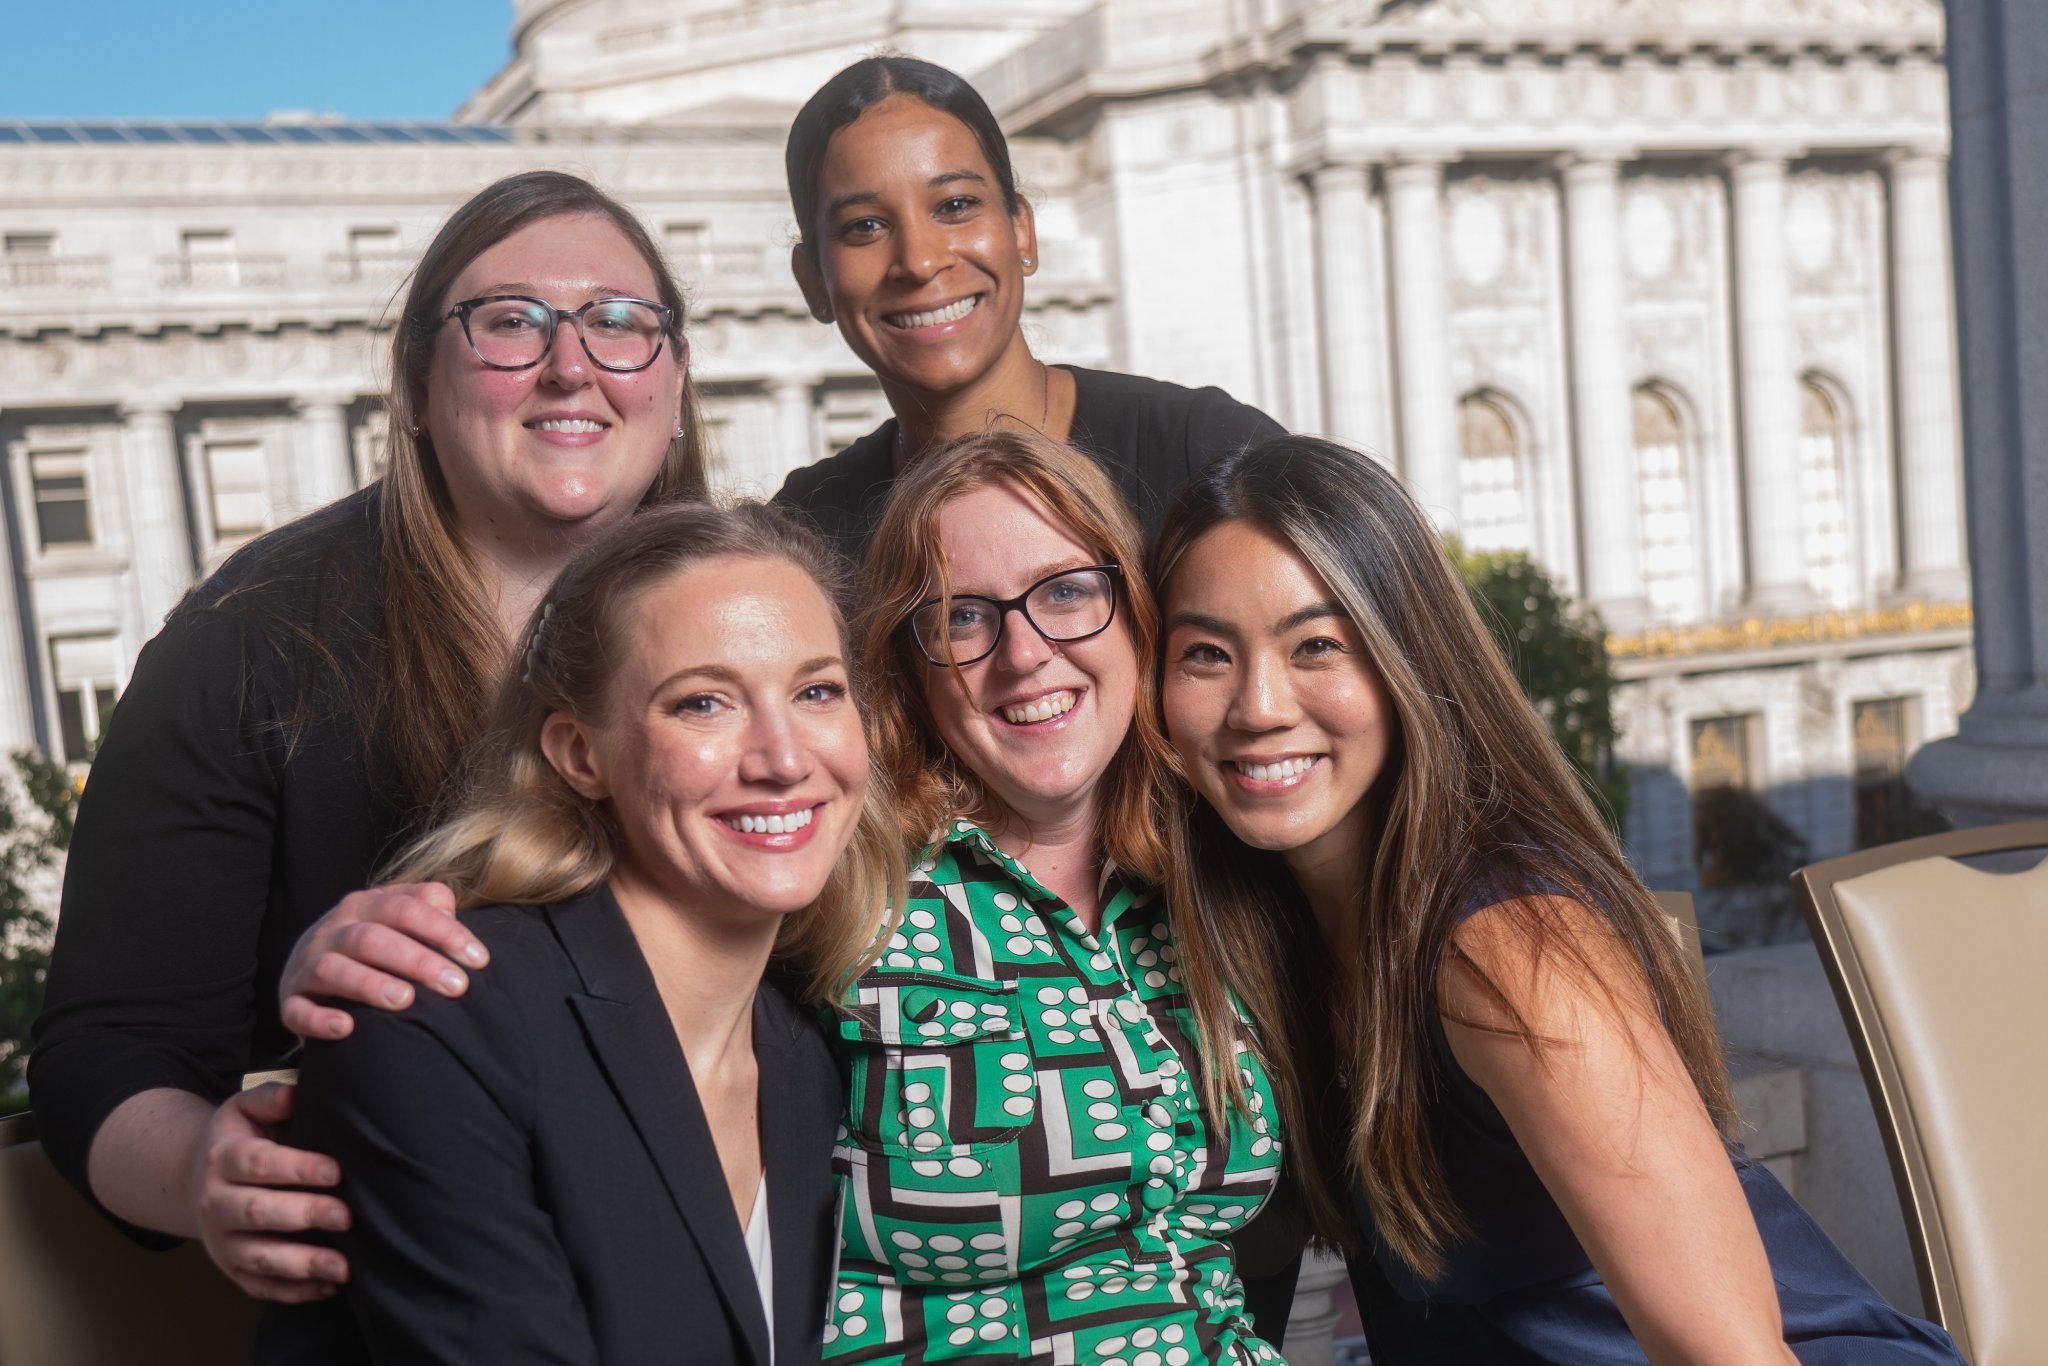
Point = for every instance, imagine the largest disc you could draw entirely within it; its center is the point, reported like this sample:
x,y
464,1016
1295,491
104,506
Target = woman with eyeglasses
x,y
914,240
300,713
1040,1165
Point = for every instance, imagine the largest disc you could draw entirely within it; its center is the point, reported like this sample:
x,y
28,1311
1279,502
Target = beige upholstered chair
x,y
74,1292
1685,928
1942,973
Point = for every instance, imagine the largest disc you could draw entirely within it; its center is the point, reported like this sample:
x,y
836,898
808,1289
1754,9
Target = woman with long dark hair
x,y
300,711
1526,1122
914,240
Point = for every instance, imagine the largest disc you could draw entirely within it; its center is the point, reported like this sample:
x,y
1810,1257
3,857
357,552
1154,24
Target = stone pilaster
x,y
1923,356
1603,439
1351,368
1422,361
1768,385
1996,766
159,529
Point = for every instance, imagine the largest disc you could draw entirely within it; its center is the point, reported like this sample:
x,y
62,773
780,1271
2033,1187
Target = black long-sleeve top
x,y
1151,436
235,798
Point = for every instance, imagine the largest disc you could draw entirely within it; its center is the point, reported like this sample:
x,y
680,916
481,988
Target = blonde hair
x,y
1473,786
517,832
907,566
441,630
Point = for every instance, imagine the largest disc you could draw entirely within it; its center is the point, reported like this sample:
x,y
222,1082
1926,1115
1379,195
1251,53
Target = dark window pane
x,y
71,725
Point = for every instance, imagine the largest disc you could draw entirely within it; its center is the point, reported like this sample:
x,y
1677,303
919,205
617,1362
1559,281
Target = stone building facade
x,y
1657,290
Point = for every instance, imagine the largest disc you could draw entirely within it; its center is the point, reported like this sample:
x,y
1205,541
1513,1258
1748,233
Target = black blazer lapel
x,y
799,1107
629,1031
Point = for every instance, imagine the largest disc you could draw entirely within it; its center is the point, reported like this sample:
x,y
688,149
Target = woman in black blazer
x,y
578,1159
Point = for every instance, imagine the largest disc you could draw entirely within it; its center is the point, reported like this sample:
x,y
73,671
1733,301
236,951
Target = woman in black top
x,y
301,709
915,241
613,1147
1528,1123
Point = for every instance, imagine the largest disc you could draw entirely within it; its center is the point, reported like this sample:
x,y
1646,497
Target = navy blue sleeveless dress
x,y
1519,1290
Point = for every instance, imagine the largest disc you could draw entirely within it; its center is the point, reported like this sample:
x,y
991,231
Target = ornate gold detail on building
x,y
1763,633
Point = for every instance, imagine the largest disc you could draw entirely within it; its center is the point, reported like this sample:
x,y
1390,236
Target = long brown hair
x,y
907,566
1475,792
517,832
443,641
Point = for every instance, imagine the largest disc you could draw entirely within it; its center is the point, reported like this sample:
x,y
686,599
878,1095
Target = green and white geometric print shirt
x,y
1029,1175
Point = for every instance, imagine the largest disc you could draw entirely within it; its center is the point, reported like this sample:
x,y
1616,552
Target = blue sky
x,y
238,59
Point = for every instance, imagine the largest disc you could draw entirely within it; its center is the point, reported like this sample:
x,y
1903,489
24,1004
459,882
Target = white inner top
x,y
762,1255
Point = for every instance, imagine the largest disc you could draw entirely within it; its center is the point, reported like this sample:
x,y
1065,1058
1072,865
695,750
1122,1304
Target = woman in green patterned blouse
x,y
1039,1167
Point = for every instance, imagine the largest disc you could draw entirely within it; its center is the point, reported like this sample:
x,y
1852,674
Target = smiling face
x,y
732,757
1280,718
916,256
1039,723
563,443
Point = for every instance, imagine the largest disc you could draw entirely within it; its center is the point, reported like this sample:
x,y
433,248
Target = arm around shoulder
x,y
1601,1103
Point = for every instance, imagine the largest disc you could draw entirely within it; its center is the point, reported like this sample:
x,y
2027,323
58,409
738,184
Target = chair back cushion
x,y
75,1292
1955,961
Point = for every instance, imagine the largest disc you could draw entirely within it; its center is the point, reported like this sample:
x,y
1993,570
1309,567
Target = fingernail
x,y
474,955
452,983
327,1176
398,994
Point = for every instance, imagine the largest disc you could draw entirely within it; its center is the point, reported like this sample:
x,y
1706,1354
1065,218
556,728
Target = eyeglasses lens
x,y
619,334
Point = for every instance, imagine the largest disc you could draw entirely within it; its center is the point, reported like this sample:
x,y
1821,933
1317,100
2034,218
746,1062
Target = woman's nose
x,y
1022,648
923,250
775,752
1263,700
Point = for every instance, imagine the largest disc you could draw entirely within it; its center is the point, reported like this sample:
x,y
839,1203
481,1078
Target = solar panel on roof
x,y
150,132
102,133
342,132
293,133
254,134
9,133
200,132
50,132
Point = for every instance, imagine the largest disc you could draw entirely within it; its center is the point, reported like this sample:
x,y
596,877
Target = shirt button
x,y
1158,1114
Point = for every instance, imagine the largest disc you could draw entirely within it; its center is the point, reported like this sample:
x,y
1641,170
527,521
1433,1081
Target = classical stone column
x,y
1996,766
326,468
795,433
1923,353
1343,260
159,528
1603,437
1768,387
1313,1320
1422,336
17,703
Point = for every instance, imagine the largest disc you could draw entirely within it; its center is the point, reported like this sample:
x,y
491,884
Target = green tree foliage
x,y
35,830
1559,655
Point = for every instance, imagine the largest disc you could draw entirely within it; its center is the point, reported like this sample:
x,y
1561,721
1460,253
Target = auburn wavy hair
x,y
907,567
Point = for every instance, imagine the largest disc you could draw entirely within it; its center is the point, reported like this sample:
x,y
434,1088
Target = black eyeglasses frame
x,y
1005,606
555,317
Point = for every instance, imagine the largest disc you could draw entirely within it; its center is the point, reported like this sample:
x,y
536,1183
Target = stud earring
x,y
1029,263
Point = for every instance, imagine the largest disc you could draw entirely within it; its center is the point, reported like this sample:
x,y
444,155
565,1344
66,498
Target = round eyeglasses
x,y
513,332
1071,605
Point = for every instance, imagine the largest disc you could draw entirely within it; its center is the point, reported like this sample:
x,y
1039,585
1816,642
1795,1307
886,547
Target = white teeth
x,y
1044,709
1286,768
771,825
959,308
568,424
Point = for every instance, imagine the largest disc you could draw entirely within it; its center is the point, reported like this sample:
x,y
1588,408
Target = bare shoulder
x,y
1538,962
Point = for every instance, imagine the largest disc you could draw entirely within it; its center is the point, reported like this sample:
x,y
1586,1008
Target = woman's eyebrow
x,y
1315,611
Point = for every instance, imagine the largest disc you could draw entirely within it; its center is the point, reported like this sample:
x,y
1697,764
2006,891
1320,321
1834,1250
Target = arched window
x,y
1664,491
1824,498
1493,513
